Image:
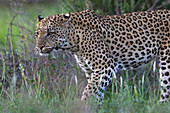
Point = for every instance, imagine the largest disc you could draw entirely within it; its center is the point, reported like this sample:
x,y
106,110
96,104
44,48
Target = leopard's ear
x,y
40,18
67,19
67,16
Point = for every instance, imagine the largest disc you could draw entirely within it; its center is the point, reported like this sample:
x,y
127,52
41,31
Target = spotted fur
x,y
103,45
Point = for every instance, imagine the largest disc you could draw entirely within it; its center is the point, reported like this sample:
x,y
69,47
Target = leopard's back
x,y
136,38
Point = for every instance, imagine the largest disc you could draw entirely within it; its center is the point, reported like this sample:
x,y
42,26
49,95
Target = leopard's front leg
x,y
98,58
99,81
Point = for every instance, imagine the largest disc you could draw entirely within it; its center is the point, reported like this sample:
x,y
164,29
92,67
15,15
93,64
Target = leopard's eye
x,y
50,33
36,33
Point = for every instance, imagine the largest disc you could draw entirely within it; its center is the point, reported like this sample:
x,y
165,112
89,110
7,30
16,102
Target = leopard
x,y
104,45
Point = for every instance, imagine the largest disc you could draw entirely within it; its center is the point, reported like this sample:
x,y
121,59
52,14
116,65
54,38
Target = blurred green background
x,y
27,11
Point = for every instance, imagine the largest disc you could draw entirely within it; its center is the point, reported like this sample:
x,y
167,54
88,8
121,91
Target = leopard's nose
x,y
38,49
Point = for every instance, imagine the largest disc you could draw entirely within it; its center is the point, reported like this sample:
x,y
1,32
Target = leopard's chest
x,y
82,63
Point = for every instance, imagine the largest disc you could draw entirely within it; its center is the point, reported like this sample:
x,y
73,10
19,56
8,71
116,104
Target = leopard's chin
x,y
44,54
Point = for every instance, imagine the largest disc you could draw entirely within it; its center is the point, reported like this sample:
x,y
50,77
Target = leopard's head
x,y
51,32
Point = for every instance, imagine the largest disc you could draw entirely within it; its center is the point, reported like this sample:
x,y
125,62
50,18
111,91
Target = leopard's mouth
x,y
45,51
48,50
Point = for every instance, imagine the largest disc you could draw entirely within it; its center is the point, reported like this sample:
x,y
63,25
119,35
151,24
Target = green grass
x,y
54,84
43,90
37,98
